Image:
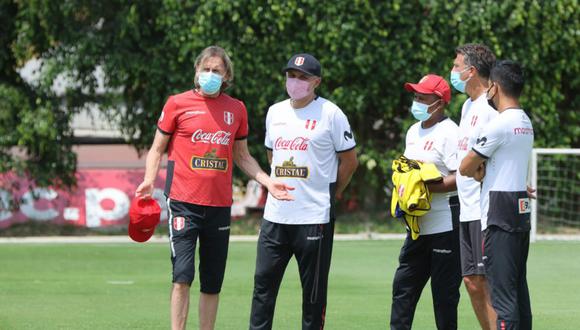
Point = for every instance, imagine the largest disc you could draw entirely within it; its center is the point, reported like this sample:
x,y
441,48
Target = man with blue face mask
x,y
435,253
205,131
473,62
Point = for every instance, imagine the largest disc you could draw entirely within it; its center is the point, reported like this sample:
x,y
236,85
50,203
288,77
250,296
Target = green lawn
x,y
126,286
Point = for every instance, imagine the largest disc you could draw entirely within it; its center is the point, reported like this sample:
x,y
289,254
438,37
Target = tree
x,y
368,49
35,134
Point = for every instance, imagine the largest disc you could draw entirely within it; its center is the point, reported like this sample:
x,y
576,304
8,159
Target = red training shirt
x,y
203,132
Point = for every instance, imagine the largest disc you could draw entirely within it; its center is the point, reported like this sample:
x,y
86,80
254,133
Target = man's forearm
x,y
251,168
470,164
446,185
345,173
152,165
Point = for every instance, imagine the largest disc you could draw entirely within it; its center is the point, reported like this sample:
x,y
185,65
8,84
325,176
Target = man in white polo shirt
x,y
310,147
500,158
473,62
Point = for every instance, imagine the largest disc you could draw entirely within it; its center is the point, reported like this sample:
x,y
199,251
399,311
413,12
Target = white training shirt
x,y
437,145
474,116
304,144
506,142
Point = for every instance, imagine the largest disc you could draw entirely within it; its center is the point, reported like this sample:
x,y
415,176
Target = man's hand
x,y
280,190
145,190
531,192
471,164
479,173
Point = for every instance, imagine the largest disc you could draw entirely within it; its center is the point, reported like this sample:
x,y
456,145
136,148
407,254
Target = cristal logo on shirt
x,y
209,161
291,170
298,143
219,137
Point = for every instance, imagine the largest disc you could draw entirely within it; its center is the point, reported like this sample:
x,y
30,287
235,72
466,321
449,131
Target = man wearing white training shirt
x,y
310,145
500,158
435,253
474,62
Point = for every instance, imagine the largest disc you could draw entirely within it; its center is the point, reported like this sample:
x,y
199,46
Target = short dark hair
x,y
510,76
479,56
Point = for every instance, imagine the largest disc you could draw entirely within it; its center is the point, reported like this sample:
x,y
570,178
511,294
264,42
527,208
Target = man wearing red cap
x,y
435,253
206,132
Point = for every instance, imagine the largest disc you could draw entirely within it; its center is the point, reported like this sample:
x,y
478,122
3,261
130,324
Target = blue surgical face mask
x,y
456,81
421,111
210,82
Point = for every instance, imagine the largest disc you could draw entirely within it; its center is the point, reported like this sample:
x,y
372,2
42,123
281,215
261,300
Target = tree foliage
x,y
368,49
35,134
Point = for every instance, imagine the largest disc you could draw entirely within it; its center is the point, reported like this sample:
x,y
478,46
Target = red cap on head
x,y
144,216
431,84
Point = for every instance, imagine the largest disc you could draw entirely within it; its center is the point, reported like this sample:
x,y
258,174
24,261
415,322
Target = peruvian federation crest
x,y
228,117
178,223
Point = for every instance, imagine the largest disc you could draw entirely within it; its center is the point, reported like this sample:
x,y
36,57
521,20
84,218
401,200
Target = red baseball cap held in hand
x,y
431,84
144,216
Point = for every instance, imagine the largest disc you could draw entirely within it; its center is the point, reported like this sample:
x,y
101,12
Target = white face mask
x,y
456,81
421,111
209,82
297,89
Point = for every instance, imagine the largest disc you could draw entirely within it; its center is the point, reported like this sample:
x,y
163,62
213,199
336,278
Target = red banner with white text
x,y
101,198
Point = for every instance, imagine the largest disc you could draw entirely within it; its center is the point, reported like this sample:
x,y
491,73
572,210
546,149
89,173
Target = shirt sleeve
x,y
490,115
243,129
342,136
267,139
450,149
167,121
490,139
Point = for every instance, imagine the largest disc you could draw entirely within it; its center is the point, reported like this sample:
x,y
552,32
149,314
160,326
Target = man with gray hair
x,y
206,132
470,74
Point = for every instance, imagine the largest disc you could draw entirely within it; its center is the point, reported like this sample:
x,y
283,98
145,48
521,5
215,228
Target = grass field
x,y
126,286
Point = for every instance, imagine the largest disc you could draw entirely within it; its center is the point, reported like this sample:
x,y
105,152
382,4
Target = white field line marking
x,y
121,282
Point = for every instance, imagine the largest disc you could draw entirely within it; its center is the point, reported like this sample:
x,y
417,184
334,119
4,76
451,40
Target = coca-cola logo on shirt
x,y
298,143
219,137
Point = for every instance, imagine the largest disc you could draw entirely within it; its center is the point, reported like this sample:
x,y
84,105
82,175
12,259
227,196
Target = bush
x,y
368,49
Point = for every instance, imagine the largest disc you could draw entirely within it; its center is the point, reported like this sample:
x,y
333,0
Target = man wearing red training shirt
x,y
205,130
